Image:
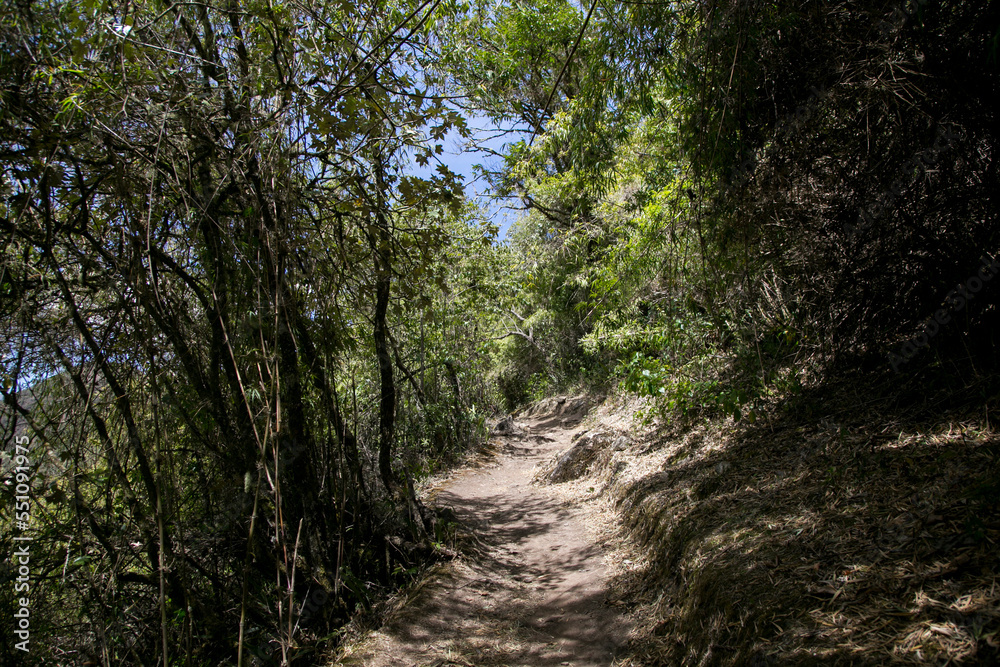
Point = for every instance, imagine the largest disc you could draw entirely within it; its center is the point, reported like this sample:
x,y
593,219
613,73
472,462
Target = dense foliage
x,y
740,197
215,252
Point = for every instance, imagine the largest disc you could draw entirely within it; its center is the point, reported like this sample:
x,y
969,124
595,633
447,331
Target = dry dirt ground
x,y
530,586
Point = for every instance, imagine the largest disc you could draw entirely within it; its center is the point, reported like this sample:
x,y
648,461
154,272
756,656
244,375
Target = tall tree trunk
x,y
380,242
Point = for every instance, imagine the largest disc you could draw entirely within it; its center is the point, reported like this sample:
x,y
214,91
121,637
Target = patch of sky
x,y
469,157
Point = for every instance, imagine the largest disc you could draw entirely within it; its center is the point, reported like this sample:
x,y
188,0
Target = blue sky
x,y
462,161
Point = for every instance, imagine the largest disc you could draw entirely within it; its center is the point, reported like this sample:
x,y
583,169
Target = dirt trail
x,y
530,592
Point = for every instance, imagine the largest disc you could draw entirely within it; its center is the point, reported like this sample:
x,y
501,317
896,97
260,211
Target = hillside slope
x,y
837,532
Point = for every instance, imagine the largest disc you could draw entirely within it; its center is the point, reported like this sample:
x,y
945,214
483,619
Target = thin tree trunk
x,y
383,282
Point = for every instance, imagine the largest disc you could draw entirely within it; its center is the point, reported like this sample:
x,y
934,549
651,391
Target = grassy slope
x,y
842,529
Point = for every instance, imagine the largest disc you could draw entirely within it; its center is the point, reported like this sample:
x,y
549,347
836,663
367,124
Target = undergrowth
x,y
859,531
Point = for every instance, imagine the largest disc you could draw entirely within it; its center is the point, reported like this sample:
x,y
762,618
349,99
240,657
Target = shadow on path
x,y
530,592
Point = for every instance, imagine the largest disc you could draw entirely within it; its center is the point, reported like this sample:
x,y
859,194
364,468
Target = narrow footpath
x,y
530,586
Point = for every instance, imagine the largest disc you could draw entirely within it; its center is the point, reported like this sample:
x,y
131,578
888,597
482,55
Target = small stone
x,y
621,443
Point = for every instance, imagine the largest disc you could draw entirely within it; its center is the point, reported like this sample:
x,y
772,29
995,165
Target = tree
x,y
199,233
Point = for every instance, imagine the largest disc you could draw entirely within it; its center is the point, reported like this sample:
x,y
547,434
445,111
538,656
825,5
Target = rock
x,y
579,405
575,461
446,514
506,426
621,443
571,407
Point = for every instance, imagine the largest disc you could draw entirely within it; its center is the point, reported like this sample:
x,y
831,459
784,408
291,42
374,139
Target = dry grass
x,y
862,538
